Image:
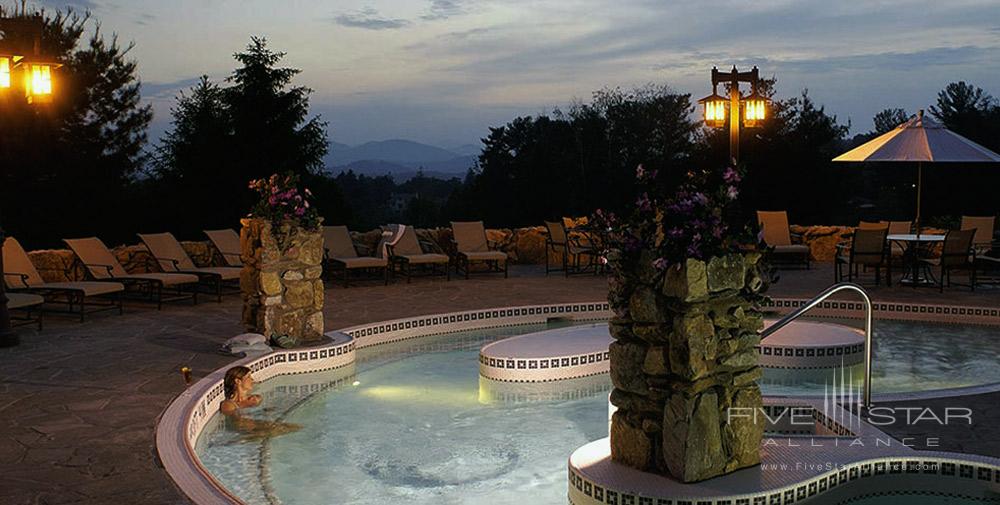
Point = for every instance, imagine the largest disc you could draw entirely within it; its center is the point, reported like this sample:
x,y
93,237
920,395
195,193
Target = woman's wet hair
x,y
232,375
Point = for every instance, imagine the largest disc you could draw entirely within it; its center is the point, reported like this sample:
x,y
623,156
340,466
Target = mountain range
x,y
401,159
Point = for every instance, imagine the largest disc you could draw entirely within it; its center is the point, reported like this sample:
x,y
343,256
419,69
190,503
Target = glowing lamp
x,y
6,63
38,82
715,110
754,109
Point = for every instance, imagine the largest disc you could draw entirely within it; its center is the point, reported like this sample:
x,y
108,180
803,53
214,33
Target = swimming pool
x,y
412,421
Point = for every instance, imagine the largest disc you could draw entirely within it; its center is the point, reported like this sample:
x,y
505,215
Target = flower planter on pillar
x,y
281,283
684,366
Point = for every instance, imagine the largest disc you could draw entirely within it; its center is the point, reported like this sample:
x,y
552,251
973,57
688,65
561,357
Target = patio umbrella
x,y
923,140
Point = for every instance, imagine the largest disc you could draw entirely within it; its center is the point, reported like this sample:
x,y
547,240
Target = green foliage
x,y
72,161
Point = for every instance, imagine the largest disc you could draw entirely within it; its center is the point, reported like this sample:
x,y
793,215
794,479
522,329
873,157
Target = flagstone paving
x,y
79,402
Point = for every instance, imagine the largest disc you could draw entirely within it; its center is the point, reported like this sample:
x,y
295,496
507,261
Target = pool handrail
x,y
820,298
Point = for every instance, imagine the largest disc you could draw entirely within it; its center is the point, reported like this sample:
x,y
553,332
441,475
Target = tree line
x,y
82,165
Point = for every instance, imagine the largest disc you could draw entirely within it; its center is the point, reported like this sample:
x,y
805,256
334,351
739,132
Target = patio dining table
x,y
915,244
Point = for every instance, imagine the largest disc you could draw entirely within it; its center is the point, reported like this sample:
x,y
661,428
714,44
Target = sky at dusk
x,y
443,71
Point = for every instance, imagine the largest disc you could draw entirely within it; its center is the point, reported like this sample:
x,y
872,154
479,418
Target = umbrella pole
x,y
920,180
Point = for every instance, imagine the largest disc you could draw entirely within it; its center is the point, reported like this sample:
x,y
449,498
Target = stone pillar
x,y
684,367
281,282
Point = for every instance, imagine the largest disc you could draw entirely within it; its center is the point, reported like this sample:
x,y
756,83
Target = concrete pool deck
x,y
79,402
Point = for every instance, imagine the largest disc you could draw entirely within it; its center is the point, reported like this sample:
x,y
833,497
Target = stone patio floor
x,y
79,402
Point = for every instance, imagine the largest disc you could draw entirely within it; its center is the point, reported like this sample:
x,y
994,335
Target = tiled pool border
x,y
583,491
184,419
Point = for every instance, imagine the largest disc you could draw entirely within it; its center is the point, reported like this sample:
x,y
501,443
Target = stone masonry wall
x,y
281,283
683,356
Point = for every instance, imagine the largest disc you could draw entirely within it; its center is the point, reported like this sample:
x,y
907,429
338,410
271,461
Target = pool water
x,y
412,421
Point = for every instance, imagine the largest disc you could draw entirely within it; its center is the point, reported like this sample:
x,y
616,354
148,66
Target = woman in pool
x,y
237,387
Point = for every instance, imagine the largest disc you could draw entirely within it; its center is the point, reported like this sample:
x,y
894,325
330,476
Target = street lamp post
x,y
753,106
33,74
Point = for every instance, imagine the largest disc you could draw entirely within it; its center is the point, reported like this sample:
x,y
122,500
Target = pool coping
x,y
182,421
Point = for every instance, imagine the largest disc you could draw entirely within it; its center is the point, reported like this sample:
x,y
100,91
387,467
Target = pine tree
x,y
88,141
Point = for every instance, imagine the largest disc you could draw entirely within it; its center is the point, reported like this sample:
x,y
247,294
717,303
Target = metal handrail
x,y
820,298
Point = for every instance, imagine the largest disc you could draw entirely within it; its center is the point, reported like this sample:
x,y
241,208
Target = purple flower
x,y
732,192
661,264
640,172
730,176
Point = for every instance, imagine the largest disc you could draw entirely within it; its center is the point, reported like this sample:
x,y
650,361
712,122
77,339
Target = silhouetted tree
x,y
68,164
971,112
888,119
224,136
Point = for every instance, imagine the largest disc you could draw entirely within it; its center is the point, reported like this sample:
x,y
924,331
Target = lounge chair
x,y
407,252
341,256
104,266
867,249
28,309
472,246
572,249
20,274
779,238
227,242
957,253
172,257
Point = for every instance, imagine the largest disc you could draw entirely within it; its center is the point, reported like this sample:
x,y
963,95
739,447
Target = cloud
x,y
167,90
369,19
76,5
443,9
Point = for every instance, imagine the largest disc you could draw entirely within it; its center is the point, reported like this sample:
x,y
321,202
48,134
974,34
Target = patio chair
x,y
778,237
982,241
572,249
407,252
472,246
867,249
104,266
25,309
20,274
172,257
227,242
340,255
956,254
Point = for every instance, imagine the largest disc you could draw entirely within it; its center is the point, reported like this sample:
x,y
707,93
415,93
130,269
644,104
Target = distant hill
x,y
399,158
399,173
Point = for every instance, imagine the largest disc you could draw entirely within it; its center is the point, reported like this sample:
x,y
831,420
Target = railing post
x,y
820,298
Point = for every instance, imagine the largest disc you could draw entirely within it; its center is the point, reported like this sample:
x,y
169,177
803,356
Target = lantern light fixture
x,y
715,109
754,109
6,65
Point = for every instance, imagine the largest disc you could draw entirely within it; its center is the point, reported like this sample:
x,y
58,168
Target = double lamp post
x,y
752,108
24,75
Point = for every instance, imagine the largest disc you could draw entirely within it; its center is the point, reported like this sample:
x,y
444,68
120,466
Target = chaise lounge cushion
x,y
168,279
485,256
422,259
361,262
23,300
89,288
791,249
227,273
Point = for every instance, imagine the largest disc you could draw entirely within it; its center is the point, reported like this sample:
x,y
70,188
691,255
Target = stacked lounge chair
x,y
227,242
342,257
104,266
20,274
778,237
172,257
472,246
406,253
